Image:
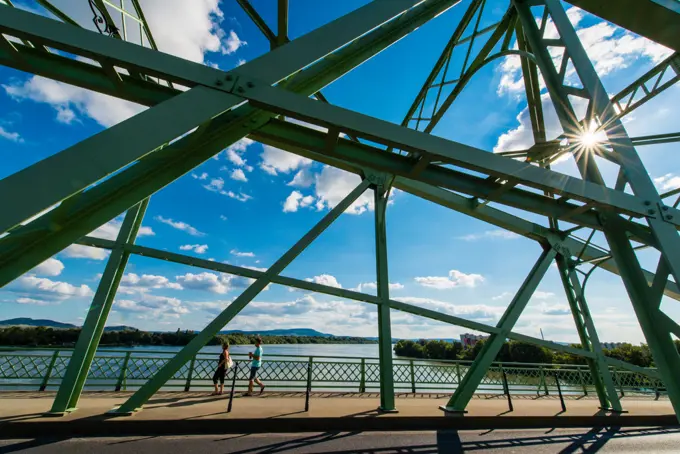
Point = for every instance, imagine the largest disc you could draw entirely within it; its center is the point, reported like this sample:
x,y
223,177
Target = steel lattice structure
x,y
197,111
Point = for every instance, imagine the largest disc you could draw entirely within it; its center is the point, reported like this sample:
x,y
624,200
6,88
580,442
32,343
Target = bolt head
x,y
240,89
218,82
651,211
669,216
665,208
647,202
250,85
229,77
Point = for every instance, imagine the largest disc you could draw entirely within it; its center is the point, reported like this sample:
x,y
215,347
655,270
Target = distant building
x,y
469,340
611,345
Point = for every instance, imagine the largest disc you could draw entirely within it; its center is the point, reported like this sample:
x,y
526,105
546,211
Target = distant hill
x,y
281,332
53,324
35,322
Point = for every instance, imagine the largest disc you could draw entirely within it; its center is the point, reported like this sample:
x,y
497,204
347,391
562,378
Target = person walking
x,y
223,364
255,365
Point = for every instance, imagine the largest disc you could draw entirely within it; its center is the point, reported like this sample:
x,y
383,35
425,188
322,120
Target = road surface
x,y
647,440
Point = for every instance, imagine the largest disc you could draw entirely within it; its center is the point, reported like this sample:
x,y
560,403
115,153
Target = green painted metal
x,y
380,196
290,372
282,29
95,321
599,370
257,20
137,182
50,368
493,344
171,367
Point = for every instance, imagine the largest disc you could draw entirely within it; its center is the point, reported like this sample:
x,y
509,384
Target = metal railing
x,y
42,369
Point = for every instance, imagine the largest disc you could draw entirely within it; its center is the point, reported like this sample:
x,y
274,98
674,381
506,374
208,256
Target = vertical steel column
x,y
143,394
88,340
384,325
493,344
599,370
651,319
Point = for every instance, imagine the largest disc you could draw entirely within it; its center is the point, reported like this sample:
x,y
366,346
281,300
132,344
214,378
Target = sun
x,y
588,139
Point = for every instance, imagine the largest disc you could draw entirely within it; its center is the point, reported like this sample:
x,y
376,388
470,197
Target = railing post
x,y
43,385
583,381
544,381
123,372
458,373
413,377
309,382
506,389
559,390
362,382
187,385
233,386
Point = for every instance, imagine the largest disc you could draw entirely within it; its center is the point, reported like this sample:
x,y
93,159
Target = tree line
x,y
40,336
519,352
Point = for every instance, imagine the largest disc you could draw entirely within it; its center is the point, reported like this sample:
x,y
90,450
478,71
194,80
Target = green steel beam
x,y
30,245
291,104
258,21
105,153
141,396
282,29
381,193
57,12
599,369
650,317
80,361
349,294
493,344
363,155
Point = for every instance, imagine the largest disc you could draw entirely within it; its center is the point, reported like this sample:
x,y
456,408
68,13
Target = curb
x,y
129,427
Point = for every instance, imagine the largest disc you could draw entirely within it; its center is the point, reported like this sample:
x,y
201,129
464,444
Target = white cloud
x,y
197,248
202,176
555,309
502,296
238,175
217,185
50,267
242,254
32,288
491,234
183,226
667,182
132,283
538,294
453,280
296,200
69,99
11,136
152,307
240,62
232,43
325,279
209,282
241,197
78,251
333,185
235,153
374,286
223,217
303,179
275,160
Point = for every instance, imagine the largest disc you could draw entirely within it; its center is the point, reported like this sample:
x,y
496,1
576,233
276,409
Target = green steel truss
x,y
197,111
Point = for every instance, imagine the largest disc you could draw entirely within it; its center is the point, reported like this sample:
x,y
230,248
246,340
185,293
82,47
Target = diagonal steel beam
x,y
141,396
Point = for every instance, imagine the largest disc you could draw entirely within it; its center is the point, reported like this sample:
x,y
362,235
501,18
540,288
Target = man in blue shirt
x,y
255,365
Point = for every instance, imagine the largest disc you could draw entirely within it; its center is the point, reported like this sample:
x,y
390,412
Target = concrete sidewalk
x,y
198,412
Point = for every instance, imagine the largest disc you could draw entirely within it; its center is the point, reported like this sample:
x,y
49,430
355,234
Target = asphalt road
x,y
647,440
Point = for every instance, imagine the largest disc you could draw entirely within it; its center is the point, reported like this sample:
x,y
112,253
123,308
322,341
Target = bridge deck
x,y
194,412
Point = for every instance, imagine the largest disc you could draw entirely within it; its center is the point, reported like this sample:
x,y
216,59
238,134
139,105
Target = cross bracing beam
x,y
29,245
197,262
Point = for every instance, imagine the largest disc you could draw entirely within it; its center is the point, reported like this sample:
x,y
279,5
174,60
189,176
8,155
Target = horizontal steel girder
x,y
348,294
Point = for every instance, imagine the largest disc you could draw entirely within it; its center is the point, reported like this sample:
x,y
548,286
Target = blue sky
x,y
251,203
